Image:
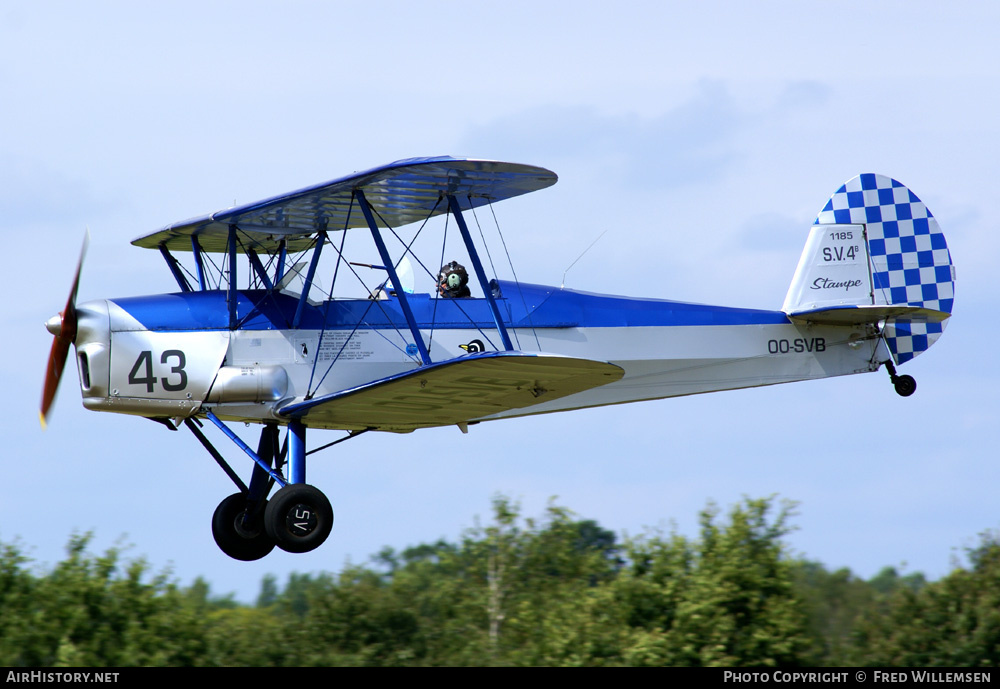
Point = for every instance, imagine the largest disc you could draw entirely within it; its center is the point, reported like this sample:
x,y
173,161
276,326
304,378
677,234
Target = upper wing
x,y
402,192
454,392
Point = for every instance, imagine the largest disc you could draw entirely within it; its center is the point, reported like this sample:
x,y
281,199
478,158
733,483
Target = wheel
x,y
905,385
298,518
239,540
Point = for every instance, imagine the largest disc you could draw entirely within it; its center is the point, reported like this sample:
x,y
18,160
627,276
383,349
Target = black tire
x,y
905,385
245,542
298,518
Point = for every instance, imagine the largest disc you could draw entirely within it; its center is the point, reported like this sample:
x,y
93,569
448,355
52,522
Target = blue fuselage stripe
x,y
523,306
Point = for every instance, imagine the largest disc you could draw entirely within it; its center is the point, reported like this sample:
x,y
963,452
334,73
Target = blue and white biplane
x,y
244,339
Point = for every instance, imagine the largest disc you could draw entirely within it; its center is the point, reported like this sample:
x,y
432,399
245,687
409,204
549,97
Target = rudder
x,y
908,261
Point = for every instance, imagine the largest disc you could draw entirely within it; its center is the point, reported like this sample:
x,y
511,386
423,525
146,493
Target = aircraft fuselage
x,y
168,355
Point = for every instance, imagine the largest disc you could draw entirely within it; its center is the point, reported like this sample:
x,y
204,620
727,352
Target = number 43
x,y
145,363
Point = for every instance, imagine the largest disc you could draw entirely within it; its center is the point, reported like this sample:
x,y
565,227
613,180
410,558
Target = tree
x,y
727,599
268,595
952,622
555,606
17,607
552,590
95,611
832,603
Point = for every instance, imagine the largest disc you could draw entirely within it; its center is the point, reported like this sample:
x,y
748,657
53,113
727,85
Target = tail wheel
x,y
905,385
240,536
299,518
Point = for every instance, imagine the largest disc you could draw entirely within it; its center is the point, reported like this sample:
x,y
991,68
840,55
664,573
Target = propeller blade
x,y
60,344
57,361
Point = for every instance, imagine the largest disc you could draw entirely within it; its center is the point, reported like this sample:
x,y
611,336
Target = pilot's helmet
x,y
452,279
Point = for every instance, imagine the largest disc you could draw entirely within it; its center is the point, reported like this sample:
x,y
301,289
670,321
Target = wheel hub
x,y
298,517
301,520
245,527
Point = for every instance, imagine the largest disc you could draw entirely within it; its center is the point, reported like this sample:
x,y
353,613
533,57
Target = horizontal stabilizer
x,y
454,392
861,315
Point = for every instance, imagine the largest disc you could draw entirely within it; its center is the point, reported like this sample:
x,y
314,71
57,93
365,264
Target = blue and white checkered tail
x,y
909,259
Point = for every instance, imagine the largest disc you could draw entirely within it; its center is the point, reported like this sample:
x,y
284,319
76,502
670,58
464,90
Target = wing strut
x,y
390,268
279,272
258,268
310,275
199,262
232,293
175,268
480,273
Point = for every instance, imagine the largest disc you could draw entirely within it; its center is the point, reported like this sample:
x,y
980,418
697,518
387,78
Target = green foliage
x,y
954,622
268,595
17,593
94,611
555,590
832,603
888,580
726,599
836,602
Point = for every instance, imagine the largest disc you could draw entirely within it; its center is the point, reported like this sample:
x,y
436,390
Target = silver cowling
x,y
93,350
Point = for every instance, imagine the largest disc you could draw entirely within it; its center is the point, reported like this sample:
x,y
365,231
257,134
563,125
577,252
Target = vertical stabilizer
x,y
876,244
833,270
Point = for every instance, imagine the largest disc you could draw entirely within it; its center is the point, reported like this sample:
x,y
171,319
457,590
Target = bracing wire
x,y
516,281
437,291
329,300
456,302
218,271
372,302
490,257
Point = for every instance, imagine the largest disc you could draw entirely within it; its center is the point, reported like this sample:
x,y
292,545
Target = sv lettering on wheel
x,y
302,520
298,517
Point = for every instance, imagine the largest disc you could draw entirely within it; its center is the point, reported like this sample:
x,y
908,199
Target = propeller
x,y
63,327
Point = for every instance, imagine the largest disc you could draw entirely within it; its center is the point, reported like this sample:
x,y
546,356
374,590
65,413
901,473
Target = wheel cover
x,y
298,517
301,520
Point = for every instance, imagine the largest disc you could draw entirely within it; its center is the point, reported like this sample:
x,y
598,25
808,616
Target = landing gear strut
x,y
905,385
298,518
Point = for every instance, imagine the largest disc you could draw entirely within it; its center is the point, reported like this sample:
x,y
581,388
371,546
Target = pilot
x,y
453,281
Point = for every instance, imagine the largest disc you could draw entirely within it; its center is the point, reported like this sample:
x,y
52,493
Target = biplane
x,y
252,335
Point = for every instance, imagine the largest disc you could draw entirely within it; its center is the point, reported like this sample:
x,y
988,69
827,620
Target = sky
x,y
701,139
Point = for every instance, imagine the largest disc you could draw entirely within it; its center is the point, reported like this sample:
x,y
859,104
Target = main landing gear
x,y
238,529
297,518
904,385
